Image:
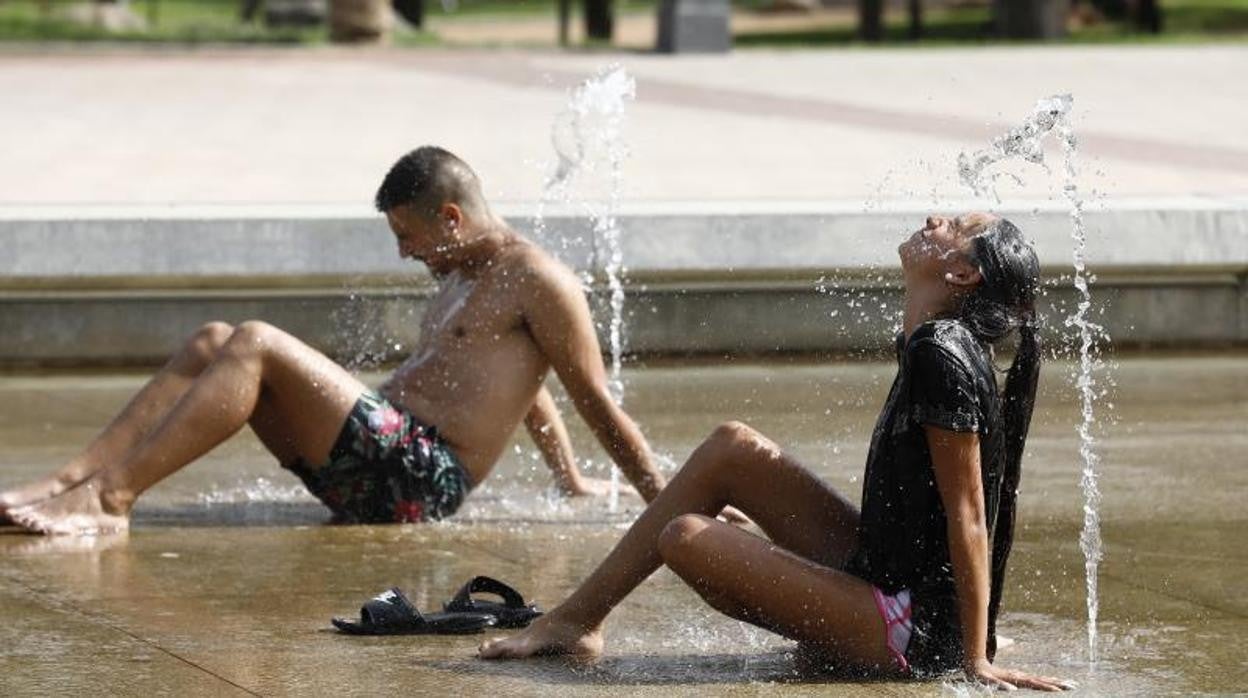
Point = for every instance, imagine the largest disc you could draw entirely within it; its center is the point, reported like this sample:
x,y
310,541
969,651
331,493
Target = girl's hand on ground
x,y
982,671
733,515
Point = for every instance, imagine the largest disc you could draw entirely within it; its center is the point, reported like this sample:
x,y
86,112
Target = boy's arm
x,y
546,428
955,459
558,318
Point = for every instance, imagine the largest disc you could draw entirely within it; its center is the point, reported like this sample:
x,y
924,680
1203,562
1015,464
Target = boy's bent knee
x,y
252,337
208,340
253,332
214,334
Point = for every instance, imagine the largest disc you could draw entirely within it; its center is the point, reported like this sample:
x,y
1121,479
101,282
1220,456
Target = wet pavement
x,y
227,582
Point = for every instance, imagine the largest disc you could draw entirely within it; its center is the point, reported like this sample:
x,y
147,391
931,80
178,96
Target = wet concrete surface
x,y
227,582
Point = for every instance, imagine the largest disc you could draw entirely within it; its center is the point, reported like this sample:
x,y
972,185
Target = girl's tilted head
x,y
1005,297
978,267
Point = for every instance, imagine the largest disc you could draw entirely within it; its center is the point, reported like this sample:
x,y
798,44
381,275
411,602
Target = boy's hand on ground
x,y
587,487
983,672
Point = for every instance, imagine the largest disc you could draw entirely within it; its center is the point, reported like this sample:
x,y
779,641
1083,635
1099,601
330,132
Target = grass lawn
x,y
175,21
218,21
1185,21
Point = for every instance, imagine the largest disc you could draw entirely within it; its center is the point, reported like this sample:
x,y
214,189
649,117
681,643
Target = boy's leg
x,y
735,466
310,395
135,420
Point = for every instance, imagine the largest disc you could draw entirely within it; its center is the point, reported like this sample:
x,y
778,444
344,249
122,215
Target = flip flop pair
x,y
391,613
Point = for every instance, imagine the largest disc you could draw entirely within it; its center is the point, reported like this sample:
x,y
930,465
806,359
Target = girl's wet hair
x,y
1002,303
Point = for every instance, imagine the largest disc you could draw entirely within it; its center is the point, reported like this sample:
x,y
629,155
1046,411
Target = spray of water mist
x,y
1052,116
588,141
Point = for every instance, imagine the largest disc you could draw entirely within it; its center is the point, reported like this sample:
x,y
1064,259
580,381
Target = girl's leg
x,y
311,394
735,466
135,420
756,581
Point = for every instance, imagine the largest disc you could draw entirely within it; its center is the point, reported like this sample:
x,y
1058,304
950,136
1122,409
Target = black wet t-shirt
x,y
945,379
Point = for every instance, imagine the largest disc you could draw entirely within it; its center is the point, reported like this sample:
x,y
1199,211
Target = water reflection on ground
x,y
229,578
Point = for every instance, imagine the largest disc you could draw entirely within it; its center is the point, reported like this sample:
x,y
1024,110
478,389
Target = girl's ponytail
x,y
1017,406
1003,302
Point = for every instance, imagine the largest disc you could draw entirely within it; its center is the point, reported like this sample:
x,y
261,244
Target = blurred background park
x,y
620,23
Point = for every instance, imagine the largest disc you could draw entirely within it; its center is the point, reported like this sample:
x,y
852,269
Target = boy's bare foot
x,y
80,511
31,493
546,636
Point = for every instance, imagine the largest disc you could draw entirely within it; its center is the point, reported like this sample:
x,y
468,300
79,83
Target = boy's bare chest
x,y
470,311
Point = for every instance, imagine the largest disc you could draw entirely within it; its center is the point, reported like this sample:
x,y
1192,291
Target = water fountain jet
x,y
587,137
1052,116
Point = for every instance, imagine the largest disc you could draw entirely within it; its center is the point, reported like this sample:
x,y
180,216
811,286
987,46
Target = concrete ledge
x,y
123,285
106,242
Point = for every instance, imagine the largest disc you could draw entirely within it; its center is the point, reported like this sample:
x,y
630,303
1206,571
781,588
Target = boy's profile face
x,y
424,238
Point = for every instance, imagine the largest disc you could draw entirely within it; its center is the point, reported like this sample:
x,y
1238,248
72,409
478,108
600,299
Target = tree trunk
x,y
871,20
1148,15
249,10
1112,9
599,22
1031,19
916,19
565,21
412,11
359,21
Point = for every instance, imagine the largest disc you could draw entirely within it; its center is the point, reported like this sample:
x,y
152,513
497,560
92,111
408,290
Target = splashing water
x,y
1025,142
587,138
364,329
1052,115
260,489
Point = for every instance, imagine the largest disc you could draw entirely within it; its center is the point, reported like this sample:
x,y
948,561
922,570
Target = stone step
x,y
122,285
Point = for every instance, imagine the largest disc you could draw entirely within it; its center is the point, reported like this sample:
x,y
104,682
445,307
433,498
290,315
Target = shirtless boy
x,y
505,314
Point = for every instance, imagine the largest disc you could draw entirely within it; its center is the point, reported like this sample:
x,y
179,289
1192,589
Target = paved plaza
x,y
319,126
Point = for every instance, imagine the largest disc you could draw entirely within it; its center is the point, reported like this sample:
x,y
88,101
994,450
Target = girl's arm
x,y
955,459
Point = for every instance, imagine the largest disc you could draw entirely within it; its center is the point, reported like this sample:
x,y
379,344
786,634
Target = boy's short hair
x,y
428,177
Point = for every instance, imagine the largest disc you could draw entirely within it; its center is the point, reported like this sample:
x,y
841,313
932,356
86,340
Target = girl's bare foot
x,y
81,511
547,636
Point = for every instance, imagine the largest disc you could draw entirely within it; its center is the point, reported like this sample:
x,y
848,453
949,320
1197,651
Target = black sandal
x,y
513,612
390,613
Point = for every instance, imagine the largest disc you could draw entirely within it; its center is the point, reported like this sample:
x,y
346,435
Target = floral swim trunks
x,y
386,467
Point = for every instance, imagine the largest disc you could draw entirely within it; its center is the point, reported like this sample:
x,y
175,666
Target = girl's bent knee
x,y
735,446
733,433
677,536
